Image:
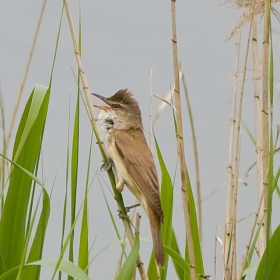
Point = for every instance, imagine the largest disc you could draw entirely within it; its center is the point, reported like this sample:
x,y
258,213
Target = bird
x,y
120,120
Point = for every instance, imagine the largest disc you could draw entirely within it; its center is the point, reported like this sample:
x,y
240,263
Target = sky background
x,y
122,41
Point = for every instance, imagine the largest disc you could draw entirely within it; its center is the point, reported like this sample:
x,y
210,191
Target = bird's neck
x,y
110,123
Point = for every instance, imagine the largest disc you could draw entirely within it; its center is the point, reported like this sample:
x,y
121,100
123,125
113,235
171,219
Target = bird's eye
x,y
117,106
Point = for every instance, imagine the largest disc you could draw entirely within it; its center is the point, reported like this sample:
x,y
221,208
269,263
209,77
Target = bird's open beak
x,y
102,107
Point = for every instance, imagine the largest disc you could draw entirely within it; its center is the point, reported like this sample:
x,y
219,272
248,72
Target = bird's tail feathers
x,y
155,224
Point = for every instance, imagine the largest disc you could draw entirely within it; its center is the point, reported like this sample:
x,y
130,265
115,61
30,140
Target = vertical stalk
x,y
237,160
232,128
196,162
230,252
258,132
265,126
257,110
180,145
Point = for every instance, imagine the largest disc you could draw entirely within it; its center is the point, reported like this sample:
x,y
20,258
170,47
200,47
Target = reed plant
x,y
263,139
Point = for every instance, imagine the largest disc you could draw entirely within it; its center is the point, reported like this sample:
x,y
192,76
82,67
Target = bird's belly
x,y
122,174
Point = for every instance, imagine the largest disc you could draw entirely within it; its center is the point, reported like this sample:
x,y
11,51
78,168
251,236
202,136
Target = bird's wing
x,y
132,147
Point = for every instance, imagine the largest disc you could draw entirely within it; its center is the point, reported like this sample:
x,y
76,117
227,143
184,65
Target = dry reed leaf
x,y
164,100
162,106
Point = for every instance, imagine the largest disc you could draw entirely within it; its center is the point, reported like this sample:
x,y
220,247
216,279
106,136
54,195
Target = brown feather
x,y
140,176
140,165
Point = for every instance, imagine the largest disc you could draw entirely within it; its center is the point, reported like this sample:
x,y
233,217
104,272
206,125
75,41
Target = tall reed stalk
x,y
230,177
265,126
196,161
180,145
230,241
258,123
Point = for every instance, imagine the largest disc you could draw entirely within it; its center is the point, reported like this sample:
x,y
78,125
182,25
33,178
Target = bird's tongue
x,y
105,116
103,107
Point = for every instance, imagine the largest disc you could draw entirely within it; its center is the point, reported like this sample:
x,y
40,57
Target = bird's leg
x,y
132,206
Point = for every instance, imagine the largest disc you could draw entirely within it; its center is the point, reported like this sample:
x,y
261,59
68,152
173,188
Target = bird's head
x,y
123,110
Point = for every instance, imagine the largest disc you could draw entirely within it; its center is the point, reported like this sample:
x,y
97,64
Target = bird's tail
x,y
155,224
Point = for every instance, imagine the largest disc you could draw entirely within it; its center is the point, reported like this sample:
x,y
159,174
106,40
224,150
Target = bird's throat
x,y
106,119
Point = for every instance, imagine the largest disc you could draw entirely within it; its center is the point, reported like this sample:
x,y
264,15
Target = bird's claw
x,y
122,214
105,167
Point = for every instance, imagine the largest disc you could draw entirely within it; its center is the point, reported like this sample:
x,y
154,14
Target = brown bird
x,y
127,147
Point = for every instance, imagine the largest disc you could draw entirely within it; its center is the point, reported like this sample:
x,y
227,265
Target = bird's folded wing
x,y
137,157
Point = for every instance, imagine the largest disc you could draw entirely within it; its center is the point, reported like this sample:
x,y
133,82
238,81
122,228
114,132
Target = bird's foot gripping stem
x,y
108,167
